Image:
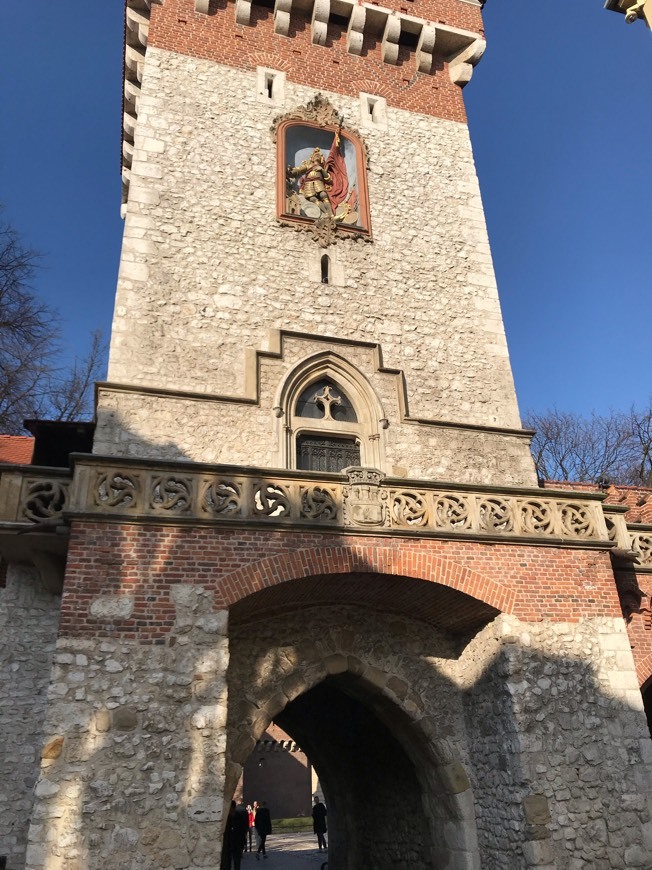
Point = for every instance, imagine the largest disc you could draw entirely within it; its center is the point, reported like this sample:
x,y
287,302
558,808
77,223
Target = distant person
x,y
252,816
239,828
255,810
235,833
226,859
319,814
263,823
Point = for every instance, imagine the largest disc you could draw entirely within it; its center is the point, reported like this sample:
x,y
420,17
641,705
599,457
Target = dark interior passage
x,y
375,810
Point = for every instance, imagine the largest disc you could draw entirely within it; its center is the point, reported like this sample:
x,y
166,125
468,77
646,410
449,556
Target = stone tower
x,y
227,301
310,500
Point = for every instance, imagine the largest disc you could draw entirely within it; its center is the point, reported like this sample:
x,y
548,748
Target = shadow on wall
x,y
418,750
514,743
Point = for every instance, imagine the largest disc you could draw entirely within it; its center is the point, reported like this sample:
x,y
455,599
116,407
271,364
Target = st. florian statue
x,y
323,181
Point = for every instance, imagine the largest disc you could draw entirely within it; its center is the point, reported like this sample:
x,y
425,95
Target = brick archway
x,y
402,560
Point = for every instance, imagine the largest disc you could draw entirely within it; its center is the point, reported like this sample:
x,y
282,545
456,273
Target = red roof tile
x,y
17,449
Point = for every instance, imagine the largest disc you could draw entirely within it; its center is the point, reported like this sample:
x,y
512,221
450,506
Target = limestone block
x,y
336,664
536,809
242,11
355,30
454,779
538,853
425,48
319,22
52,748
637,856
124,719
391,35
46,789
282,12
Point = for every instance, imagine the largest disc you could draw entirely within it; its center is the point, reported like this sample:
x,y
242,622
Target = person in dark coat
x,y
319,814
225,861
235,834
263,823
239,830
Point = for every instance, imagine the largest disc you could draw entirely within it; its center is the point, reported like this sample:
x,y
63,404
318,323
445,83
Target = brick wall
x,y
141,563
175,26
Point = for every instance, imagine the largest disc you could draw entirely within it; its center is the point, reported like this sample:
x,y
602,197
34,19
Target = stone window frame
x,y
373,112
363,229
268,79
368,431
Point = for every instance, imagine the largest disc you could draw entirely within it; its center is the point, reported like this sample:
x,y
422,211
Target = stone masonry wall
x,y
555,723
133,424
28,624
532,729
206,270
136,775
400,669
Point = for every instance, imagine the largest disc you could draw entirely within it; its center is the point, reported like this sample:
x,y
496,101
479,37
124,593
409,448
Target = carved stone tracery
x,y
318,111
45,500
171,493
362,500
116,490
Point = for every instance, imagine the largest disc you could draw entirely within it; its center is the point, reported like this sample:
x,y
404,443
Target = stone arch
x,y
372,557
371,416
395,670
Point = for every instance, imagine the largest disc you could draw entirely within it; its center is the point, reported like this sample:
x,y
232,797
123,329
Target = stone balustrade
x,y
361,499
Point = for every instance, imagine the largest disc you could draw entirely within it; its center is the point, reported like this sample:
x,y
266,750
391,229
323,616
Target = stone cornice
x,y
276,341
136,34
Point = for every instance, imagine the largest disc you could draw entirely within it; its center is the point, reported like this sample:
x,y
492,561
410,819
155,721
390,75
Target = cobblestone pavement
x,y
287,852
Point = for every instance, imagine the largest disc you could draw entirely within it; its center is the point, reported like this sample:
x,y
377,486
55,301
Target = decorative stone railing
x,y
641,544
33,495
634,538
362,500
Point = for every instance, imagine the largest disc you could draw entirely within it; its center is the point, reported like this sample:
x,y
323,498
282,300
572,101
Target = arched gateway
x,y
310,499
376,699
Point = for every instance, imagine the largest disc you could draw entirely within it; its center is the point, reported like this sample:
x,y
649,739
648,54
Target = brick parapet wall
x,y
175,26
110,561
637,499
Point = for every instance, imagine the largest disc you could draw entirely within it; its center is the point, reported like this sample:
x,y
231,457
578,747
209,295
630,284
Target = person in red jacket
x,y
252,816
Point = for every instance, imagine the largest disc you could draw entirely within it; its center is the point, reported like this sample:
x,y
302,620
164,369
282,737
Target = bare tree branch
x,y
32,383
71,397
616,446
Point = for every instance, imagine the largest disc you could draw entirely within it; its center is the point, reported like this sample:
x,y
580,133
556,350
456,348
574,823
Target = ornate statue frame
x,y
320,115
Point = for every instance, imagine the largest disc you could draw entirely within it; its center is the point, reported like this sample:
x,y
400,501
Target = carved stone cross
x,y
327,398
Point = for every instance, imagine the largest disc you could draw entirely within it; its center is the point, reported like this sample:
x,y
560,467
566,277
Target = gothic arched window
x,y
323,400
330,416
326,450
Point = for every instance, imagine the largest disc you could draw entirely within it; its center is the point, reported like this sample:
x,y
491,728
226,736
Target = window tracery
x,y
330,415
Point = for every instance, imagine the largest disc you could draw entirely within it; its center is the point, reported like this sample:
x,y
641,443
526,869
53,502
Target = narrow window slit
x,y
269,85
325,269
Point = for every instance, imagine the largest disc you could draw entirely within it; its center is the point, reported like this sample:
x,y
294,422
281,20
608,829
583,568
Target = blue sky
x,y
559,110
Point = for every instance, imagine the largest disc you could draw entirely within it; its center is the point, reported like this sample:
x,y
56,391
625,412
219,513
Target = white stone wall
x,y
133,424
206,271
29,618
135,777
556,726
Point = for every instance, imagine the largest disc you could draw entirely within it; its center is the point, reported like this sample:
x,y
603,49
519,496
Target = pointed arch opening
x,y
330,417
377,731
